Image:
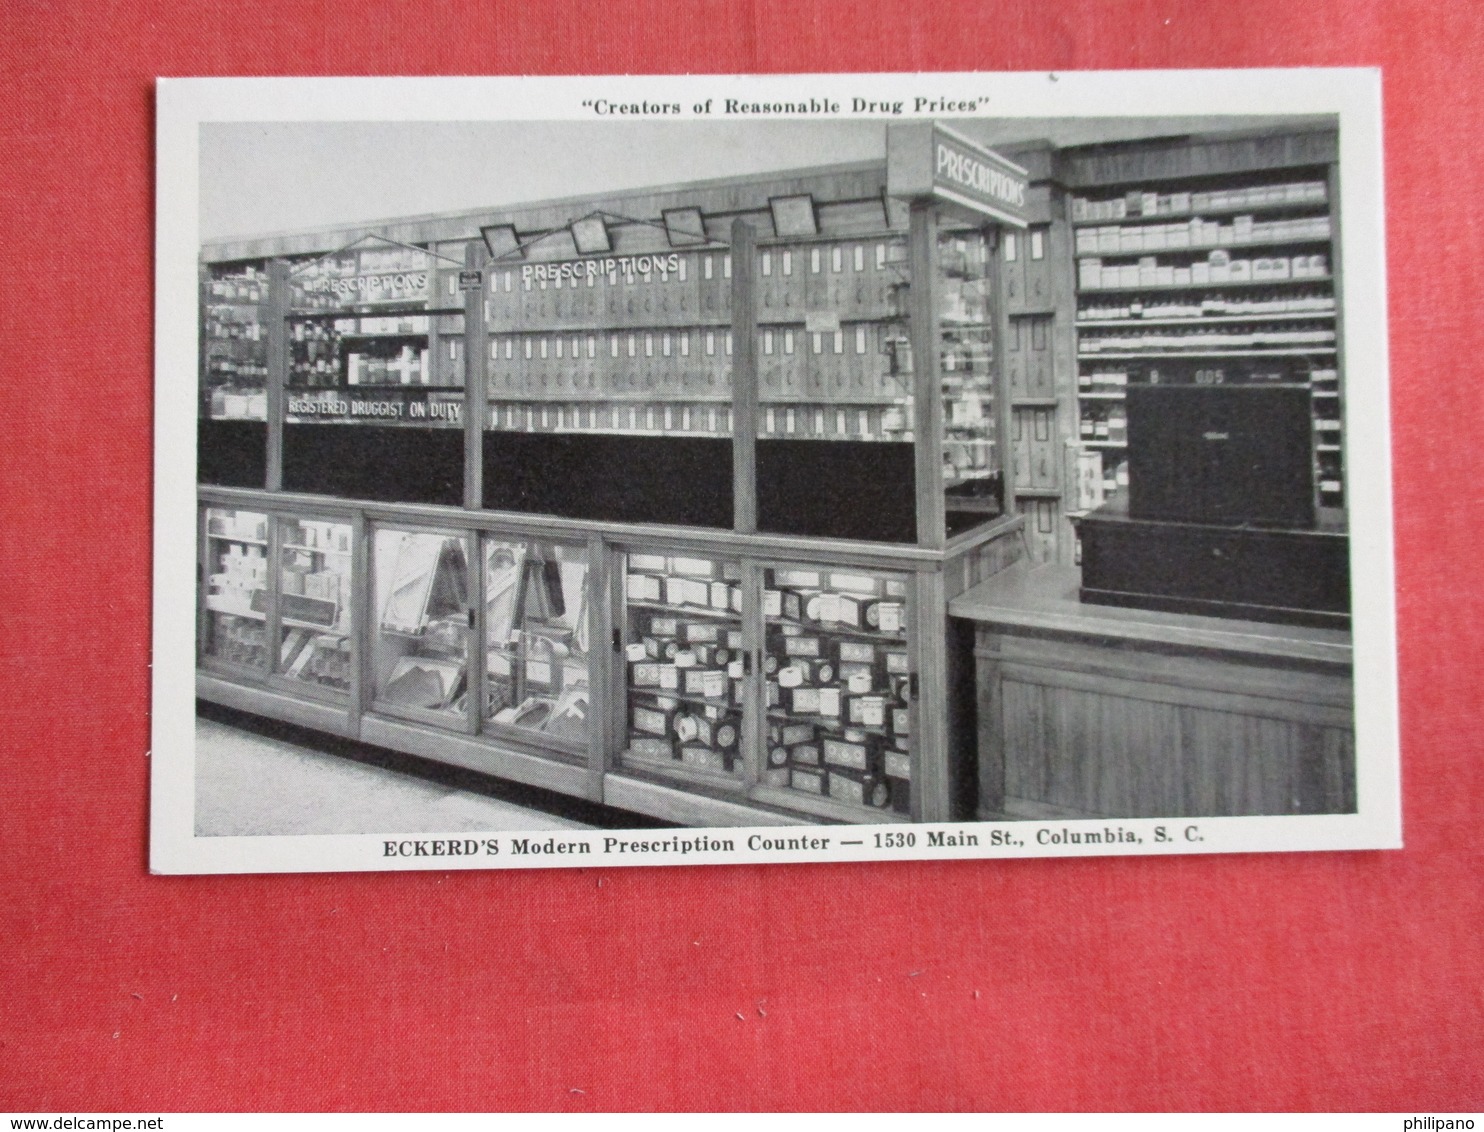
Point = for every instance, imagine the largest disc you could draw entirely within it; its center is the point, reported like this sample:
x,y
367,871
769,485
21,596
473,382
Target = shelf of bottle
x,y
837,629
684,610
219,537
1204,247
1255,352
1207,320
1119,394
1327,448
1225,285
724,702
834,722
1267,208
342,334
1103,443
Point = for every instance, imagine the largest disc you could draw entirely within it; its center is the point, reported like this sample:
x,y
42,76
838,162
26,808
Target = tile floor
x,y
247,784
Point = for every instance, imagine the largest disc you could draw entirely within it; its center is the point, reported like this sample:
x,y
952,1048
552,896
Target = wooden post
x,y
931,776
927,386
1337,273
278,368
744,378
1003,409
754,716
361,610
476,658
601,662
476,370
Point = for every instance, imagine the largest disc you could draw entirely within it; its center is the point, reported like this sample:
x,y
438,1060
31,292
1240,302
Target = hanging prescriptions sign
x,y
370,277
928,160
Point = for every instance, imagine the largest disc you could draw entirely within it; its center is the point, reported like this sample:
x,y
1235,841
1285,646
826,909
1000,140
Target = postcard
x,y
586,472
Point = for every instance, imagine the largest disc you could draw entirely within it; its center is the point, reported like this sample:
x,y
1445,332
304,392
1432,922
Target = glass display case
x,y
972,467
610,386
373,403
234,328
684,668
837,686
537,637
235,597
315,599
234,375
421,635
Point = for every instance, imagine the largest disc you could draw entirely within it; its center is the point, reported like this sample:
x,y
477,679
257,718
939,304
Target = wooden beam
x,y
744,378
927,385
476,376
278,368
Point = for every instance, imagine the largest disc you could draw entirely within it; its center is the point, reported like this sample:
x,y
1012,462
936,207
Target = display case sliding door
x,y
420,628
538,615
312,618
685,675
279,600
233,628
788,686
838,723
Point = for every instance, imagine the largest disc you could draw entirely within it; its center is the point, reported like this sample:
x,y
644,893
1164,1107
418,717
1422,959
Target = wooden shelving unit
x,y
1161,245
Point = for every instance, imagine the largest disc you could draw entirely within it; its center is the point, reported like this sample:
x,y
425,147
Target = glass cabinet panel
x,y
420,655
972,476
236,595
233,411
536,636
684,672
374,405
836,684
314,602
610,386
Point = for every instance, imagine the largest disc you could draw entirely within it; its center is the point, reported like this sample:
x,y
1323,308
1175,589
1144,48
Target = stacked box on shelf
x,y
1232,275
685,669
236,587
315,601
836,686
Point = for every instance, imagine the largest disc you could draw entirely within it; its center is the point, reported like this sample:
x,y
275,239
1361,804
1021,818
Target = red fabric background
x,y
1286,981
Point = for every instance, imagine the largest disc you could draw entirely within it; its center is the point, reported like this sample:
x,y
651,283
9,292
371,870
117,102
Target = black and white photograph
x,y
688,470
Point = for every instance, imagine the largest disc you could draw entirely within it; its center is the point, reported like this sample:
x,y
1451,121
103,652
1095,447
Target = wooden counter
x,y
1098,711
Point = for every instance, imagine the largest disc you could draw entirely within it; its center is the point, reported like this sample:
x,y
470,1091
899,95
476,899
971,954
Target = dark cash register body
x,y
1220,517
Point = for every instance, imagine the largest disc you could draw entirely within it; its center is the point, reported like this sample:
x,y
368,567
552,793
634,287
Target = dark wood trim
x,y
927,386
278,367
602,662
476,377
1002,406
932,793
744,377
